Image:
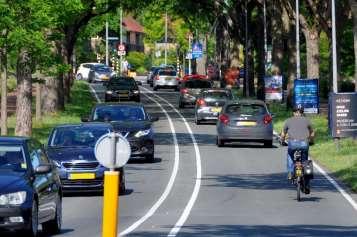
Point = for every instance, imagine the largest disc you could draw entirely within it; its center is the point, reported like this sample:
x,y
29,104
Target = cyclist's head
x,y
298,110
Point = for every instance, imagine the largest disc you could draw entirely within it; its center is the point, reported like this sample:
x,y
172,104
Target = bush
x,y
136,59
141,70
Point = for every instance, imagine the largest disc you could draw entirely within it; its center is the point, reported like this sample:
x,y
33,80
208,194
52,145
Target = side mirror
x,y
154,119
43,169
139,83
85,119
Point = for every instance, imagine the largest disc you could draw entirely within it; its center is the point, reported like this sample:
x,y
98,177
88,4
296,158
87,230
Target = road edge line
x,y
169,185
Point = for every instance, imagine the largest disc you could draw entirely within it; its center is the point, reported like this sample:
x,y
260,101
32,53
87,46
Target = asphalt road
x,y
195,188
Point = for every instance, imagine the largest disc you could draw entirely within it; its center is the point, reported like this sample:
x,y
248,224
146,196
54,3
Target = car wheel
x,y
150,158
122,187
155,88
151,85
177,88
268,143
32,228
197,121
54,226
79,77
181,105
137,99
219,142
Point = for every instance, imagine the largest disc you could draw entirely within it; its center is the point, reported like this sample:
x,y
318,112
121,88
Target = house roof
x,y
131,24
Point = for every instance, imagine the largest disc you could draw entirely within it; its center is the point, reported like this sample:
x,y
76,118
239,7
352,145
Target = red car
x,y
193,76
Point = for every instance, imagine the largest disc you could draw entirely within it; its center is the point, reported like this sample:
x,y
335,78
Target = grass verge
x,y
340,160
81,104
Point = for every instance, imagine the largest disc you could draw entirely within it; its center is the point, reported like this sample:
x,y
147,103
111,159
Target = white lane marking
x,y
170,183
95,93
174,231
337,186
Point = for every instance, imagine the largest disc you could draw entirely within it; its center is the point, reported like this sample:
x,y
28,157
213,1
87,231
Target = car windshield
x,y
197,84
122,83
216,95
119,113
77,136
167,73
246,110
12,158
102,69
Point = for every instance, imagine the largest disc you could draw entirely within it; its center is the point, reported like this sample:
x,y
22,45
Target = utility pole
x,y
298,71
106,44
166,38
246,67
189,54
334,53
121,41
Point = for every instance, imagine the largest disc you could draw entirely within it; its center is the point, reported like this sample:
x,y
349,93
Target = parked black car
x,y
122,88
71,147
30,188
132,121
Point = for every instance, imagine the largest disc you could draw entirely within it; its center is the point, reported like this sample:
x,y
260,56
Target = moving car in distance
x,y
84,69
193,76
190,90
122,88
100,73
30,188
71,147
133,122
166,78
209,104
247,121
156,71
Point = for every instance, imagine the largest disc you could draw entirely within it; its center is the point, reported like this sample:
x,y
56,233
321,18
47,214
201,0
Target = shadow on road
x,y
41,233
261,231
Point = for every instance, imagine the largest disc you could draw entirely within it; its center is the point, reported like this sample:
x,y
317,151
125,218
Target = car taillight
x,y
224,119
201,102
184,91
157,78
178,79
267,119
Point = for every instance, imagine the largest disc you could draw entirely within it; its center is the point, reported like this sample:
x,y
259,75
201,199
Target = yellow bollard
x,y
110,203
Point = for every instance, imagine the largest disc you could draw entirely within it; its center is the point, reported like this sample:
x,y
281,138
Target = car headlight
x,y
142,133
13,198
56,163
136,92
109,92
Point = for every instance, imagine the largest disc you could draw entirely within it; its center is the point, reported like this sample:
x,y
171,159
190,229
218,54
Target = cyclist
x,y
299,132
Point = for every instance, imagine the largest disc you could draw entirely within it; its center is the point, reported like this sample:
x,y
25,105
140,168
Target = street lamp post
x,y
265,38
298,71
334,53
166,38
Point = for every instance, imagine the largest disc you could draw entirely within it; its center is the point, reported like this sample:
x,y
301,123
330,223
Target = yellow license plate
x,y
298,172
216,110
105,78
246,123
82,176
123,95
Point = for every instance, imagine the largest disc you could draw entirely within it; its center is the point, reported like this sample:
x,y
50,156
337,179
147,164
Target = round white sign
x,y
106,146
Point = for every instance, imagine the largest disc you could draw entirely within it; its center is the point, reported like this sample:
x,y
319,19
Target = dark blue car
x,y
30,188
71,147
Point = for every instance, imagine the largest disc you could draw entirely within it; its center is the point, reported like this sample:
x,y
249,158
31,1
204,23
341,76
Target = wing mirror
x,y
154,119
43,169
85,119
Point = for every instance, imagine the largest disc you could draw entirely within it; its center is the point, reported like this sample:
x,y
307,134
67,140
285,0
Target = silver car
x,y
209,104
247,121
166,78
100,73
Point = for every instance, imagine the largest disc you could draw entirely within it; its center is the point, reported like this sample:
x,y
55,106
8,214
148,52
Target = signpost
x,y
112,151
197,50
121,50
273,88
343,114
306,94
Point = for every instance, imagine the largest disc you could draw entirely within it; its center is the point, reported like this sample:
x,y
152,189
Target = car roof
x,y
247,101
14,139
85,125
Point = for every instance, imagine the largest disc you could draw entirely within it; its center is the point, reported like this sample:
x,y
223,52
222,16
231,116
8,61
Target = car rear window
x,y
167,73
216,95
246,109
197,84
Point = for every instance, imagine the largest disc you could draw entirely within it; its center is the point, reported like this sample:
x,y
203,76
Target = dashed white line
x,y
170,183
185,214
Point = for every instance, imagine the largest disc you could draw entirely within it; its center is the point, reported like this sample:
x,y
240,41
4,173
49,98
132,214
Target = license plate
x,y
216,109
246,123
168,79
105,78
124,95
82,176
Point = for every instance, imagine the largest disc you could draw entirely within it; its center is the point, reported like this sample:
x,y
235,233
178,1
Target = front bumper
x,y
23,211
117,97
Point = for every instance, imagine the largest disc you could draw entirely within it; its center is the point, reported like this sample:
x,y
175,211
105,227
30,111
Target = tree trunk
x,y
50,96
3,63
291,73
312,37
24,95
277,39
353,5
